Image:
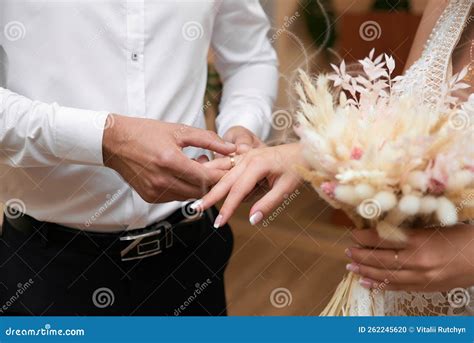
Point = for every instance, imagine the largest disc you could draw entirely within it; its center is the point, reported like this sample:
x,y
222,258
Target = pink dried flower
x,y
328,188
356,153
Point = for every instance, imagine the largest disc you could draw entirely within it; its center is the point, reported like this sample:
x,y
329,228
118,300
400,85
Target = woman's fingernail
x,y
352,267
217,222
365,283
256,217
348,252
196,205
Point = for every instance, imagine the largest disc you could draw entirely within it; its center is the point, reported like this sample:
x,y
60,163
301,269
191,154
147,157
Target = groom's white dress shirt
x,y
64,65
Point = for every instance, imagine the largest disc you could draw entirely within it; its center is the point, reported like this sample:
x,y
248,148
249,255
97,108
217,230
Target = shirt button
x,y
134,56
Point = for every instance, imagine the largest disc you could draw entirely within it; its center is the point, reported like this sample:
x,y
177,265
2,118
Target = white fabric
x,y
64,65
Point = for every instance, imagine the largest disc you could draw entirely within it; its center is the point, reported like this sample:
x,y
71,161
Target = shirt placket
x,y
136,83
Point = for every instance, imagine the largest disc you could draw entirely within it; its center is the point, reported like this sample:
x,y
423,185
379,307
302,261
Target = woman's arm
x,y
431,14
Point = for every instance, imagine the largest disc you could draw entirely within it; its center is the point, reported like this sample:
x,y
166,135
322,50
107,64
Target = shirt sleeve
x,y
36,134
247,64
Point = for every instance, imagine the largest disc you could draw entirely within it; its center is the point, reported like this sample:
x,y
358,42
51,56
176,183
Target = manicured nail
x,y
217,222
352,267
365,283
196,205
348,252
256,217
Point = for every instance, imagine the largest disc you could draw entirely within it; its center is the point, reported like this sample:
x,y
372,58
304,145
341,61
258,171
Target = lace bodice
x,y
425,78
427,74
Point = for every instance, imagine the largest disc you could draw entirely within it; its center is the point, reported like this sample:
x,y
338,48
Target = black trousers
x,y
38,277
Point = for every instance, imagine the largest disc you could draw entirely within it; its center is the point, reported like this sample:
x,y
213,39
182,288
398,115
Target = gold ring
x,y
232,161
396,260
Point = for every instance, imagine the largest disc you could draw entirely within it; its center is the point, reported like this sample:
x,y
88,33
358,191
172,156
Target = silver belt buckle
x,y
149,243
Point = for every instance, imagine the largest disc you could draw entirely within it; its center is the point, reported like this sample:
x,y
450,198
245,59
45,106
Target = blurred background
x,y
292,263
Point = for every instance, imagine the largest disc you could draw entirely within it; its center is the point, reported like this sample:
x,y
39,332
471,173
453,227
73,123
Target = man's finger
x,y
204,139
244,143
194,172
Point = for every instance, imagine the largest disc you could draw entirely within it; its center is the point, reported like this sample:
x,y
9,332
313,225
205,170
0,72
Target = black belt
x,y
179,229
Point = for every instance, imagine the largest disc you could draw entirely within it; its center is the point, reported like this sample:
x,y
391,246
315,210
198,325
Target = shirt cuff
x,y
244,116
79,134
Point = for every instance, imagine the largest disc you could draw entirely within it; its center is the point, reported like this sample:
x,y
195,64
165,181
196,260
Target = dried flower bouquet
x,y
384,157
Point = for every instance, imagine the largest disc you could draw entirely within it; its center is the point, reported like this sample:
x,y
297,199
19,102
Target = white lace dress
x,y
425,78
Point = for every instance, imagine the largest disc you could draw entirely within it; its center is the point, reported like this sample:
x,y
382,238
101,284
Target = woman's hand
x,y
434,259
276,165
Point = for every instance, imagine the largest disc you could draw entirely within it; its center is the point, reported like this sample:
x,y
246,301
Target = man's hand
x,y
148,155
243,138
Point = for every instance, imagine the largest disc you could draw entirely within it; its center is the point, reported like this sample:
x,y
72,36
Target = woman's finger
x,y
385,285
275,197
369,238
401,276
240,190
380,258
220,190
